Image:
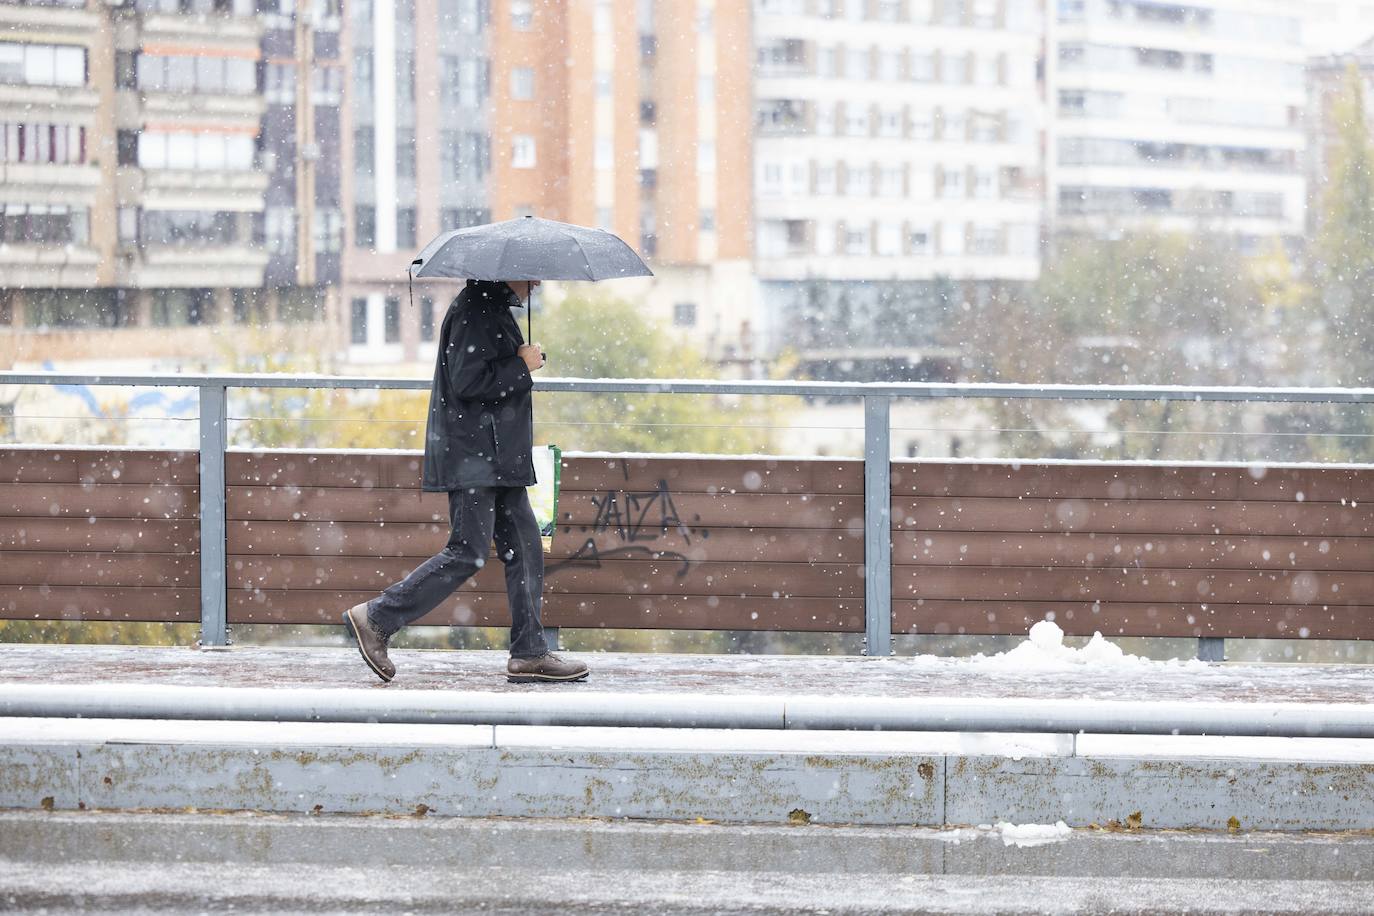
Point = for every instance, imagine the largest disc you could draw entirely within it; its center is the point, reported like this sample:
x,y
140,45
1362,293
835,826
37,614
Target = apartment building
x,y
897,163
140,154
1183,116
501,108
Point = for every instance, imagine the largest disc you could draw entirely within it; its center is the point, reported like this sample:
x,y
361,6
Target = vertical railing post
x,y
1211,648
214,620
877,525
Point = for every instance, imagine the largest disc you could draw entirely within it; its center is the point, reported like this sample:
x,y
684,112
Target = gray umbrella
x,y
528,248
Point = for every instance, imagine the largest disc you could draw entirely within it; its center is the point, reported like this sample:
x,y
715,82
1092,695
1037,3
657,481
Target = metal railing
x,y
877,399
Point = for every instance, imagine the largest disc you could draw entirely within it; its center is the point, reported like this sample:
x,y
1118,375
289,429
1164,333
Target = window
x,y
892,181
685,314
187,151
856,241
856,121
392,323
364,153
279,229
922,124
918,239
987,239
889,242
858,181
985,182
327,230
451,218
825,179
955,127
922,67
357,325
426,319
825,62
42,65
522,83
405,153
891,123
188,228
364,226
605,153
952,239
708,220
405,227
522,14
856,64
174,308
214,75
603,16
953,185
39,224
57,144
279,84
362,74
522,152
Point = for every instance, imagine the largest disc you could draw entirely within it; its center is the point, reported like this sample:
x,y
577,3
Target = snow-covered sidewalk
x,y
1039,669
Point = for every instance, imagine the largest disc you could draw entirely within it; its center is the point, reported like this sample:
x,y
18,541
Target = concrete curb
x,y
675,774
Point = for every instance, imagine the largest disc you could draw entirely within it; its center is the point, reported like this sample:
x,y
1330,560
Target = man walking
x,y
477,449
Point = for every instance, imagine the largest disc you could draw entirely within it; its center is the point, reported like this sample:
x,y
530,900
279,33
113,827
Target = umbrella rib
x,y
587,260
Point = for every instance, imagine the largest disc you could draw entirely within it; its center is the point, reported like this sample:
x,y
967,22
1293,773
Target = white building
x,y
1183,115
896,141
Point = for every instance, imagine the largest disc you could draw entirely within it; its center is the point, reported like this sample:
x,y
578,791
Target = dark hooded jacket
x,y
481,423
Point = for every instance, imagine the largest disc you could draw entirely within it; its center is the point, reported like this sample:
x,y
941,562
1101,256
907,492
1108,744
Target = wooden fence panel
x,y
99,534
1133,549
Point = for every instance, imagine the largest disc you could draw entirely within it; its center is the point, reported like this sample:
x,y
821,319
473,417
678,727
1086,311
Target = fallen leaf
x,y
1233,824
798,817
1133,821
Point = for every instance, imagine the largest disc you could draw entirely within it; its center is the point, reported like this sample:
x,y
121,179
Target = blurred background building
x,y
1177,116
159,158
828,179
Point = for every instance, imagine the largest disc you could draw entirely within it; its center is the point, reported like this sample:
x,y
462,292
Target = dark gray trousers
x,y
477,514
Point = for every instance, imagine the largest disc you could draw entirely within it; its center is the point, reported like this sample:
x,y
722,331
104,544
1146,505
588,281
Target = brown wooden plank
x,y
1113,619
364,470
1174,551
713,475
579,473
153,535
651,612
1147,585
67,500
99,569
1276,483
613,576
44,464
1132,516
636,517
420,540
54,602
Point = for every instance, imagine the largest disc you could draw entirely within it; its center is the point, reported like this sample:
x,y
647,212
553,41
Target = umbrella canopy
x,y
528,248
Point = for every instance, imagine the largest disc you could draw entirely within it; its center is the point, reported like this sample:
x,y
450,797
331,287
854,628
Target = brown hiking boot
x,y
547,667
371,644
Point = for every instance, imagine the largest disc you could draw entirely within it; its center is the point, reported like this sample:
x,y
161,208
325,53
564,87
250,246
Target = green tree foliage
x,y
608,338
1147,309
1343,263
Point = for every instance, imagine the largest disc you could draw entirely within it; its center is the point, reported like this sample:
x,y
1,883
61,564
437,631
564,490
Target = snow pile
x,y
1023,835
1045,651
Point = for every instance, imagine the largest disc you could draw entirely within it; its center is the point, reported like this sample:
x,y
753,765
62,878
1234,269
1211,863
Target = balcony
x,y
154,267
47,22
180,189
64,267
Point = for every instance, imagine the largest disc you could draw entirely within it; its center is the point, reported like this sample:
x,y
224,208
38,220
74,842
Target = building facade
x,y
1179,116
896,163
605,113
141,158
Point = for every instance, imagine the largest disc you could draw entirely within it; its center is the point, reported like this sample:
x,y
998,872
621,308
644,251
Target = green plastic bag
x,y
548,469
